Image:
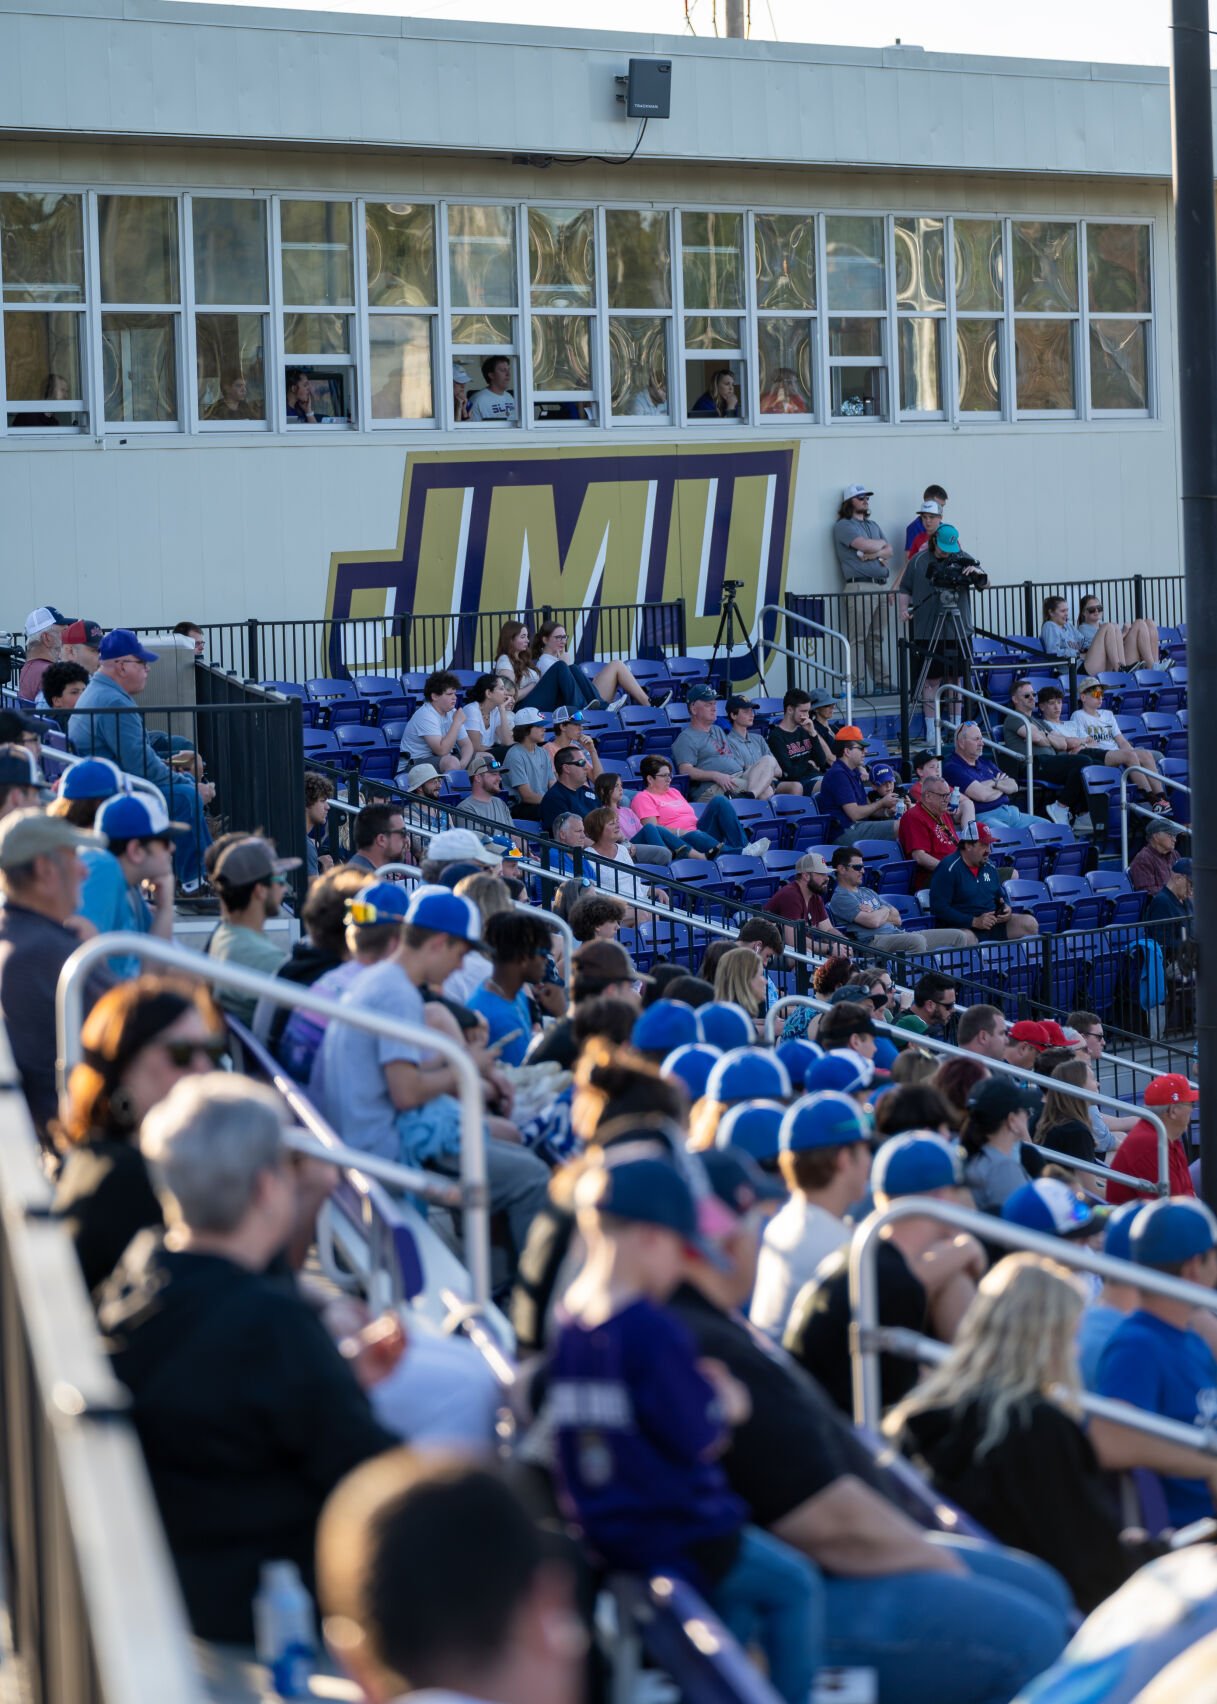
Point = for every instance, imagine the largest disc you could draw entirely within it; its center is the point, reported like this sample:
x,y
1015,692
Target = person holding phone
x,y
967,892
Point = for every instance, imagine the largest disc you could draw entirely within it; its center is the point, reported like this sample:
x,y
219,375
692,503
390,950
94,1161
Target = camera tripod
x,y
724,639
949,625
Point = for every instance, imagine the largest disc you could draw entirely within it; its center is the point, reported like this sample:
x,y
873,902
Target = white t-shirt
x,y
1097,727
796,1240
487,406
527,680
643,403
476,723
465,981
546,661
425,722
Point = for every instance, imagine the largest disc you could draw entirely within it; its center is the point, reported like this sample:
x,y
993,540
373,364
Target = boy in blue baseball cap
x,y
130,886
639,1422
825,1162
1155,1359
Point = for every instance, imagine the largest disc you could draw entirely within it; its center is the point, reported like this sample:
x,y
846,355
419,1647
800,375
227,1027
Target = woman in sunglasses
x,y
138,1041
1100,646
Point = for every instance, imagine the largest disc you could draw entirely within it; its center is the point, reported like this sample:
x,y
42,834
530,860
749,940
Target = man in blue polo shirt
x,y
842,795
1153,1358
980,780
570,792
966,892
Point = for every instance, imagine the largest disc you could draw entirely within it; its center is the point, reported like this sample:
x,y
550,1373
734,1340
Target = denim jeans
x,y
775,1597
667,840
562,683
1009,816
944,1639
184,805
720,822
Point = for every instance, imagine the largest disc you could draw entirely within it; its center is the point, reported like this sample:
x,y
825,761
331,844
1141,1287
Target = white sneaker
x,y
1082,823
621,698
755,849
1058,814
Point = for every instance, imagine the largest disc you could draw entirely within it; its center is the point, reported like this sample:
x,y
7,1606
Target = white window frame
x,y
441,379
744,316
51,434
264,312
1053,316
607,314
883,316
348,362
812,317
518,349
1149,320
595,396
901,414
176,311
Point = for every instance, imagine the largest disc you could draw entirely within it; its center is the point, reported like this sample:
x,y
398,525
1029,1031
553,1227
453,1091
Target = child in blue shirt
x,y
638,1423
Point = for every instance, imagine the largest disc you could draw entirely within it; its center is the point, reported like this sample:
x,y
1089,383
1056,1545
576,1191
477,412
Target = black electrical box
x,y
649,91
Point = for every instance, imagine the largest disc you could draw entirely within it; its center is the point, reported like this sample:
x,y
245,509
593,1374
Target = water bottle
x,y
283,1629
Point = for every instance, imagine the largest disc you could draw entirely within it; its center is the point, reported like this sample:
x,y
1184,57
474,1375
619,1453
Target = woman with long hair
x,y
993,1131
721,396
955,1079
1064,1123
739,978
1099,646
995,1427
491,895
546,677
137,1042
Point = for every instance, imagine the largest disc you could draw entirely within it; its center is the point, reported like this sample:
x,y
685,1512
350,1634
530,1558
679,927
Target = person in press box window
x,y
495,402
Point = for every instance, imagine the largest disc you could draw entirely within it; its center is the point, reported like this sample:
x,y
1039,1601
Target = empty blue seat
x,y
1109,881
377,686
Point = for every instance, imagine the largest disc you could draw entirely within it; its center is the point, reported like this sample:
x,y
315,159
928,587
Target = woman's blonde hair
x,y
489,893
1061,1108
1016,1342
733,979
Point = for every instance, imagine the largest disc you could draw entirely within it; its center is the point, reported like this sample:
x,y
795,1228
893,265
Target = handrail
x,y
991,704
823,668
1141,810
864,1288
950,1051
69,1012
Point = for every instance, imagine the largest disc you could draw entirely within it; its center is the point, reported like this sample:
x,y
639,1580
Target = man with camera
x,y
939,579
864,557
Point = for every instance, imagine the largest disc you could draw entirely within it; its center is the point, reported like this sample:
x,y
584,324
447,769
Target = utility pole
x,y
735,18
1196,341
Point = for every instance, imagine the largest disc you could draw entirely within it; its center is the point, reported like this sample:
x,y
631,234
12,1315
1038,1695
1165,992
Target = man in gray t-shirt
x,y
863,916
702,751
864,557
527,768
485,806
357,1092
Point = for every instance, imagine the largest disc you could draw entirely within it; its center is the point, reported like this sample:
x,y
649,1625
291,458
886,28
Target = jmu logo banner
x,y
507,530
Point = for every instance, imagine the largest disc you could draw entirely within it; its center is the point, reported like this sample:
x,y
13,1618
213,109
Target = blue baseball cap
x,y
692,1064
885,1055
755,1126
1049,1206
701,694
826,1120
842,1070
914,1164
94,778
1117,1239
726,1025
379,902
645,1192
121,642
137,816
880,772
665,1025
1166,1233
798,1055
447,913
748,1073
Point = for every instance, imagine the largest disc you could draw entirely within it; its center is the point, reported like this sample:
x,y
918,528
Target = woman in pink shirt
x,y
668,819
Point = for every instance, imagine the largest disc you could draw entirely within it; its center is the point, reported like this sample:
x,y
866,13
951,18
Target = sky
x,y
1135,32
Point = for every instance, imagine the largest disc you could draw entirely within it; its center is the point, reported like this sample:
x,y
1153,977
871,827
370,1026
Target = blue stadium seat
x,y
1024,894
896,877
1109,882
377,686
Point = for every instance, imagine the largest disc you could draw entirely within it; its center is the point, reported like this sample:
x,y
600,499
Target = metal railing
x,y
1141,810
69,1014
864,1300
845,675
945,688
1095,1096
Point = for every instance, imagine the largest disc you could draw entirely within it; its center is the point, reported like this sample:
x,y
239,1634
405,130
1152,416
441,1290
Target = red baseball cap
x,y
1054,1032
1168,1090
1026,1030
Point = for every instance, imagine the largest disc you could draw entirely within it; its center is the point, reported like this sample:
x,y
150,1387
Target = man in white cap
x,y
864,557
529,771
43,642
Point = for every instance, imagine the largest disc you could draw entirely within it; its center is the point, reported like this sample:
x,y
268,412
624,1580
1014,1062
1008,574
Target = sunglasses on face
x,y
855,867
184,1053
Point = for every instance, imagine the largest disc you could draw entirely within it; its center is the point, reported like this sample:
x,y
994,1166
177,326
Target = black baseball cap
x,y
738,702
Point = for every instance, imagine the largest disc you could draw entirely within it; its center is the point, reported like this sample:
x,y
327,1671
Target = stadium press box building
x,y
305,312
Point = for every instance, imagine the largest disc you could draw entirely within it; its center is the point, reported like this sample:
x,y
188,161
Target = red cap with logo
x,y
1054,1032
1036,1034
1168,1090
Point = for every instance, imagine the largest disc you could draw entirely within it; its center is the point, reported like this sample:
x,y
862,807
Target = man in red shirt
x,y
1174,1100
926,833
802,898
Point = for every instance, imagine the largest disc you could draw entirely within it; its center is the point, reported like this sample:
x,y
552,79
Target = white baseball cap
x,y
856,491
460,375
929,507
528,718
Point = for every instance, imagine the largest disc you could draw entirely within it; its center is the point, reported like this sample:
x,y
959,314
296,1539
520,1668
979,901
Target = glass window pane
x,y
858,391
712,263
638,367
1117,268
639,258
855,263
139,367
401,367
41,248
562,257
42,358
232,367
1045,260
921,264
401,255
714,392
561,352
1044,364
855,337
316,334
137,237
713,332
785,260
482,256
1119,363
316,241
229,251
325,393
785,346
921,365
979,269
978,353
490,329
